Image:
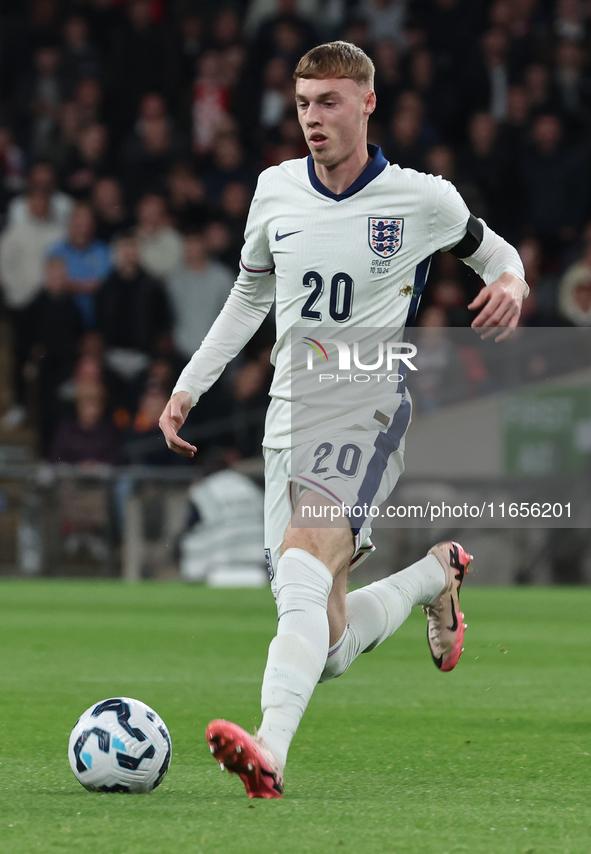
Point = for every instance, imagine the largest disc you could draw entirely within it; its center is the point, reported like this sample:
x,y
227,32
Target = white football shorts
x,y
356,468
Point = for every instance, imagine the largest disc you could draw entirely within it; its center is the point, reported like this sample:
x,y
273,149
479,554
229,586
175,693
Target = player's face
x,y
333,115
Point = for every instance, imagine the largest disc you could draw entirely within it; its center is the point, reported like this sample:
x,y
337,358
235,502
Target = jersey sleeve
x,y
451,216
256,257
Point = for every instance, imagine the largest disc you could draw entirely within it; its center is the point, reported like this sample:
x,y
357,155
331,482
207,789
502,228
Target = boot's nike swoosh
x,y
283,236
454,625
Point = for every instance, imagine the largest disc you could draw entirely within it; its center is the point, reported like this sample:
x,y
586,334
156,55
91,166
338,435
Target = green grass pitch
x,y
394,757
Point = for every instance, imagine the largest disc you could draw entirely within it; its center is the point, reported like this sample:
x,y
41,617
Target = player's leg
x,y
311,558
376,611
302,581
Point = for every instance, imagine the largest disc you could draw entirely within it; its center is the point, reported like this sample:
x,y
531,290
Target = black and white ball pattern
x,y
120,745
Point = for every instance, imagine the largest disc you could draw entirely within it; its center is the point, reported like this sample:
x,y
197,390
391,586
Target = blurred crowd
x,y
131,136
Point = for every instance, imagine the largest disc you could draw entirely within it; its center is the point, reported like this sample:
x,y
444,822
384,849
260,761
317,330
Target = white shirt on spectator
x,y
197,297
60,208
161,253
22,252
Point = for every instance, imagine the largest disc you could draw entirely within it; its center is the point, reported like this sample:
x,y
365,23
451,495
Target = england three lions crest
x,y
385,235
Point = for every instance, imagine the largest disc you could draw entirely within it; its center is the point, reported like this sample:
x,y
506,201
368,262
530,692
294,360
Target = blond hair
x,y
336,59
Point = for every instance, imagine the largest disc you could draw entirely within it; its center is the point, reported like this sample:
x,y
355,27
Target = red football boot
x,y
248,756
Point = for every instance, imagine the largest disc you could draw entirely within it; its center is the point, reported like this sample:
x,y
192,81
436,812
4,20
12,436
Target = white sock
x,y
376,611
298,653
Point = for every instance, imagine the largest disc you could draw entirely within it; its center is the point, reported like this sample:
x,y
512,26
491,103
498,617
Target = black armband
x,y
471,240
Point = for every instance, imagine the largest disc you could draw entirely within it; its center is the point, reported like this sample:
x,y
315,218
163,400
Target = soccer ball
x,y
120,745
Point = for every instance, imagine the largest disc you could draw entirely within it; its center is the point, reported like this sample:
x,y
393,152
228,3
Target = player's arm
x,y
245,309
499,265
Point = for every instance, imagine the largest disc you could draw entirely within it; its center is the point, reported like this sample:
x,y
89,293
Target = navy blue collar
x,y
376,165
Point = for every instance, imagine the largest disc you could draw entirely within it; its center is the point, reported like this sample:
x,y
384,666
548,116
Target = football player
x,y
340,240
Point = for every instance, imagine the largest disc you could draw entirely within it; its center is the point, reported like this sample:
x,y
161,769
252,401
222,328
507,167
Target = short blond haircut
x,y
336,59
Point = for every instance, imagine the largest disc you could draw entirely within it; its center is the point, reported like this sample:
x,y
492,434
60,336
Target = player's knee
x,y
334,547
300,538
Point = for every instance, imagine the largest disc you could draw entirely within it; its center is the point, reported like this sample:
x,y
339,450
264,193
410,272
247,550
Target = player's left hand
x,y
500,306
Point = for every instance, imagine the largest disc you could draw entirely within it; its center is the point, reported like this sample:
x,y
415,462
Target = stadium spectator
x,y
141,60
104,19
189,47
55,330
88,260
229,163
152,108
160,245
23,246
38,99
88,438
133,316
402,141
38,27
63,143
280,28
384,16
516,124
490,81
556,185
573,86
88,162
197,290
109,209
22,251
485,163
276,94
388,79
80,58
210,102
42,177
569,21
449,28
226,30
186,197
541,94
88,98
574,292
147,162
12,167
409,101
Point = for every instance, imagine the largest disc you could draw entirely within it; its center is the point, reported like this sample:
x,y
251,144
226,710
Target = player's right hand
x,y
171,421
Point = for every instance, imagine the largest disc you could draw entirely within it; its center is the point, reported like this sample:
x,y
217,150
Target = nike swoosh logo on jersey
x,y
283,236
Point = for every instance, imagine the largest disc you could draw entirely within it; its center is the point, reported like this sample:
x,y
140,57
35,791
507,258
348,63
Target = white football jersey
x,y
358,259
